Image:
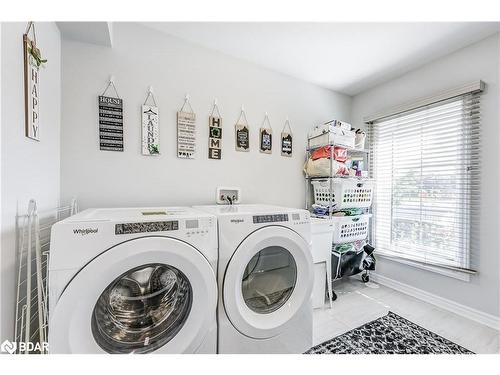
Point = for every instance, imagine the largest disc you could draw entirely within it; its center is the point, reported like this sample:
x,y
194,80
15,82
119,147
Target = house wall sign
x,y
32,62
110,120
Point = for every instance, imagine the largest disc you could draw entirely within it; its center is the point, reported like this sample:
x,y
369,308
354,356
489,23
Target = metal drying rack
x,y
33,240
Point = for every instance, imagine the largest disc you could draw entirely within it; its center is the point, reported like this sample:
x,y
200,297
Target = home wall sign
x,y
286,140
266,136
186,132
32,63
215,134
110,120
150,126
242,132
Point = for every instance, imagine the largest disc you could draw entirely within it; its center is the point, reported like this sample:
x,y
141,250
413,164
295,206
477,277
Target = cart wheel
x,y
334,296
365,277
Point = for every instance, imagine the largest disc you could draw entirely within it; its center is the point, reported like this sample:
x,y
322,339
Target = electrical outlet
x,y
228,195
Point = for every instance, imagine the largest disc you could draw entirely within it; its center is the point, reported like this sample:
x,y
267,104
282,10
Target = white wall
x,y
141,57
478,61
30,169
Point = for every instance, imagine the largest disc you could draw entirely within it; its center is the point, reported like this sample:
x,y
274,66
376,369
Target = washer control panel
x,y
154,226
276,218
197,227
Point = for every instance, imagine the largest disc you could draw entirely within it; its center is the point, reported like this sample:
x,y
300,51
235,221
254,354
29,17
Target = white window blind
x,y
426,166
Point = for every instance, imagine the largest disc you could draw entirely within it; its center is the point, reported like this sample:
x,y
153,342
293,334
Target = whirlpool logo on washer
x,y
85,231
237,221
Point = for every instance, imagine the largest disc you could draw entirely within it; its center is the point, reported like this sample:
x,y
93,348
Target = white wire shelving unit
x,y
33,251
331,177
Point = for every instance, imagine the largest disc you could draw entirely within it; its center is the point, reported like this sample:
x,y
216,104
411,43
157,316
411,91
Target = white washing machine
x,y
134,280
265,278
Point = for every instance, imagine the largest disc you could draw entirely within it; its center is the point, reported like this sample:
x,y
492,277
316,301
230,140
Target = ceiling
x,y
99,33
345,57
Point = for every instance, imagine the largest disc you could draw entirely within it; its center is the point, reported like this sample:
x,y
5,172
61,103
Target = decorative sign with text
x,y
31,86
242,132
110,123
266,137
286,140
186,135
150,130
215,137
286,144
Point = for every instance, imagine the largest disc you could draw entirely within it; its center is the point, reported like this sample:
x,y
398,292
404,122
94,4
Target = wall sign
x,y
186,132
215,134
150,127
110,120
32,63
242,132
266,136
286,140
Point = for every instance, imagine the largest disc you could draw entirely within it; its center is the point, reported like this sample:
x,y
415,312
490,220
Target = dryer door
x,y
268,281
151,294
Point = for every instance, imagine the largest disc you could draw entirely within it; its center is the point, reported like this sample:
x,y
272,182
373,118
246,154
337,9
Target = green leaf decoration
x,y
35,52
154,149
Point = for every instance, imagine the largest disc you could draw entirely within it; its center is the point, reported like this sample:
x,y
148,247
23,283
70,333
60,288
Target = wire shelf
x,y
33,232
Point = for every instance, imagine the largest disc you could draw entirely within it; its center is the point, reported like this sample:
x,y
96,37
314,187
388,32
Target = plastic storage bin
x,y
350,228
326,134
347,193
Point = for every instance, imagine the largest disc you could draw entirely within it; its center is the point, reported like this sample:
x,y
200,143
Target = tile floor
x,y
359,303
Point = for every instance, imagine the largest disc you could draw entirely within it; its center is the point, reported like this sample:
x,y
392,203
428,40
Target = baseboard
x,y
446,304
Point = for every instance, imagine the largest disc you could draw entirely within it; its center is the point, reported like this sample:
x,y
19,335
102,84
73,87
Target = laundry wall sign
x,y
266,136
150,130
150,125
110,123
32,63
242,133
215,138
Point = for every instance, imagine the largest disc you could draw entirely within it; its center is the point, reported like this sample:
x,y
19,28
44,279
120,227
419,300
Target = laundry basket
x,y
350,228
347,193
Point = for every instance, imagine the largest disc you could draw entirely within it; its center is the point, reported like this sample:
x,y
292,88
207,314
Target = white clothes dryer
x,y
133,280
265,279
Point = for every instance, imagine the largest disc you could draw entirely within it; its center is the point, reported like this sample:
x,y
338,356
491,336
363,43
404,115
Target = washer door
x,y
151,294
267,281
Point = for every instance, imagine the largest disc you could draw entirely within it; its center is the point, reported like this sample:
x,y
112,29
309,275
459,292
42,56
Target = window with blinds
x,y
426,166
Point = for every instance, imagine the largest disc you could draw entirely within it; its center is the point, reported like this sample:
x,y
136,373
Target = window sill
x,y
463,276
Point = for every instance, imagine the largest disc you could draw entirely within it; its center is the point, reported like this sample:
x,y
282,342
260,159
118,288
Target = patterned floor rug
x,y
390,334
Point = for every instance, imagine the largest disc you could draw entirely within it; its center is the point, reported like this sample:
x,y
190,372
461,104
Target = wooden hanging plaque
x,y
110,123
242,137
186,135
150,130
215,137
286,144
31,91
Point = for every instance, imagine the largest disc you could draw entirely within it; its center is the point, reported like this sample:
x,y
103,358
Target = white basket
x,y
347,193
350,228
342,140
328,134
